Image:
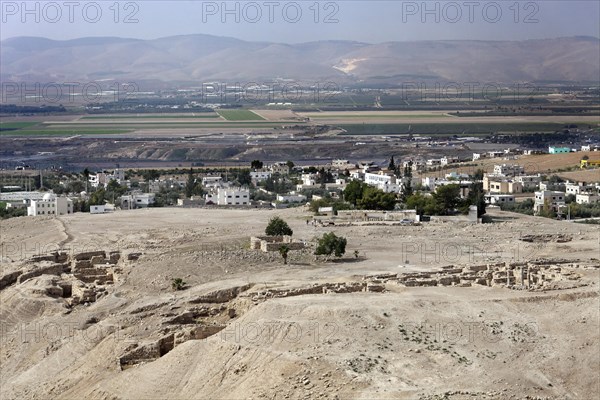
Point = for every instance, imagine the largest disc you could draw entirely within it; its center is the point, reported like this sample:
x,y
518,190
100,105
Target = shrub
x,y
284,249
330,244
177,284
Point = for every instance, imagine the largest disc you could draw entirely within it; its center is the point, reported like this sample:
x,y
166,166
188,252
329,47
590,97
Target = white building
x,y
499,199
291,198
448,160
98,209
21,196
229,197
495,154
508,170
157,185
415,165
392,187
575,188
102,178
529,181
212,181
432,162
341,164
280,168
260,175
357,174
456,176
50,204
501,185
137,200
430,181
554,199
379,179
587,198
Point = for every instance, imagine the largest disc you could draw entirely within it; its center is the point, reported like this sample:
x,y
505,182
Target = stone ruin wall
x,y
79,278
273,243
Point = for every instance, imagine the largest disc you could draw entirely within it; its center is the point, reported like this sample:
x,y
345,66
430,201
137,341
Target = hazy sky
x,y
302,21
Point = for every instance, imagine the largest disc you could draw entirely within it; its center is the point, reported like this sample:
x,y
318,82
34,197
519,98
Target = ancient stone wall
x,y
273,243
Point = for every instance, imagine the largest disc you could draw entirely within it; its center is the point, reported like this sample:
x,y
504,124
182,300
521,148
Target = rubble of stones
x,y
532,275
546,238
79,278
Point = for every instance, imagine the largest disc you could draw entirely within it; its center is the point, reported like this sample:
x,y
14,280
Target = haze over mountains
x,y
204,58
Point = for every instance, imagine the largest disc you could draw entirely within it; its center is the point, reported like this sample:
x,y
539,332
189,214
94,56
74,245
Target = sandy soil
x,y
406,343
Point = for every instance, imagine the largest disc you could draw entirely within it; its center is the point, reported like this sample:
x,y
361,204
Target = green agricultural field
x,y
63,132
240,115
13,126
154,116
164,125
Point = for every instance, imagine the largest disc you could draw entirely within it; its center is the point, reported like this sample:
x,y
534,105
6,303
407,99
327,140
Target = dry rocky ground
x,y
405,320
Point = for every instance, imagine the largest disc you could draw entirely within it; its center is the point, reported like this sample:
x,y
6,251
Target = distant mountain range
x,y
205,58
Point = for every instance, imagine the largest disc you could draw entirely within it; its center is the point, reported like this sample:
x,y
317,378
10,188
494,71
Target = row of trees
x,y
365,197
446,199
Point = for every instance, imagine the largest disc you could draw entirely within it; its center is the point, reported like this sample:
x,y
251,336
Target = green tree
x,y
418,202
354,191
150,175
256,164
445,199
284,249
324,176
76,187
244,178
330,244
86,175
392,165
278,227
290,165
6,213
478,175
98,197
114,190
328,202
407,189
376,199
547,211
191,184
476,197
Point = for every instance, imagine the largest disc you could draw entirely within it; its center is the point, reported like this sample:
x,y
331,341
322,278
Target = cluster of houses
x,y
38,203
509,180
420,164
503,185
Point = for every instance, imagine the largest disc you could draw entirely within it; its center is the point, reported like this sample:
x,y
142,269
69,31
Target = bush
x,y
278,227
177,284
330,244
284,249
